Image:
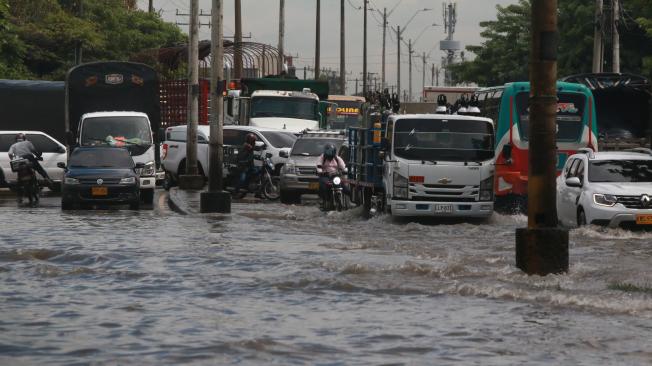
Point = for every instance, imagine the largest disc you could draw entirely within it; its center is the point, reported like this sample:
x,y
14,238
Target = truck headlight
x,y
487,189
605,199
148,170
69,180
400,186
129,180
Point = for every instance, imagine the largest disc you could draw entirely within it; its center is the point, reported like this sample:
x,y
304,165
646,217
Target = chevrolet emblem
x,y
444,181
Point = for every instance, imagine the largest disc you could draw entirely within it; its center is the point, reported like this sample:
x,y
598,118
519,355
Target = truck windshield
x,y
116,131
621,171
443,140
312,146
289,107
570,115
101,158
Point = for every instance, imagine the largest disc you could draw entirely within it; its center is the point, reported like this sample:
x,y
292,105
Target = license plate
x,y
99,191
643,219
444,208
313,186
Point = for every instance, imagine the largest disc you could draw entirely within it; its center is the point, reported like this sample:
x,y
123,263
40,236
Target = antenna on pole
x,y
449,45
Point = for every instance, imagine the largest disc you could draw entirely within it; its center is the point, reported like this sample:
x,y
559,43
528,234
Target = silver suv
x,y
299,174
606,188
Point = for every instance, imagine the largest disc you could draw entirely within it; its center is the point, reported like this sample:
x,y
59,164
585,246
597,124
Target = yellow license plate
x,y
313,186
99,191
643,219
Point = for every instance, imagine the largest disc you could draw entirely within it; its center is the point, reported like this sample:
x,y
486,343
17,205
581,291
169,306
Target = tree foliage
x,y
504,54
48,31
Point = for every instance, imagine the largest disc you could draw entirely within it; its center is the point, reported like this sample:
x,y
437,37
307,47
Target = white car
x,y
53,151
611,189
174,146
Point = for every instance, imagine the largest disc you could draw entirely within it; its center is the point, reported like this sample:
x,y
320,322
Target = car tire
x,y
147,196
56,187
135,205
66,205
581,217
290,197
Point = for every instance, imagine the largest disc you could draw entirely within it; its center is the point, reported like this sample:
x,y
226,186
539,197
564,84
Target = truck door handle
x,y
174,146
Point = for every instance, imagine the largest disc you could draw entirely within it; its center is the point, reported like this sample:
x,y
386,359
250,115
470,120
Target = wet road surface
x,y
275,284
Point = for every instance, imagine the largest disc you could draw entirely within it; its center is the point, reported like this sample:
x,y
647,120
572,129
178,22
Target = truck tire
x,y
290,197
135,205
66,205
147,196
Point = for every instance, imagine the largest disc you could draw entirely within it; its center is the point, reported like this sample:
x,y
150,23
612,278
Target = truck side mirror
x,y
384,144
507,152
283,154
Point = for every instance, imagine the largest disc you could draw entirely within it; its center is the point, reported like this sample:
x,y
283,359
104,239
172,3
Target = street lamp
x,y
399,32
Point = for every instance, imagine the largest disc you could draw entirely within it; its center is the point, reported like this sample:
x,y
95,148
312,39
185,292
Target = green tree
x,y
12,48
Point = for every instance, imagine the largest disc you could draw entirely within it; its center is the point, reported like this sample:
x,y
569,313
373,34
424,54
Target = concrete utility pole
x,y
364,52
615,14
432,75
342,50
237,54
281,36
192,179
398,60
216,199
317,41
542,247
423,75
151,6
598,43
410,70
78,46
384,37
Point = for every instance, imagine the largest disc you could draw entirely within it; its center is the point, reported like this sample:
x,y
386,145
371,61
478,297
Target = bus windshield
x,y
443,140
288,107
570,116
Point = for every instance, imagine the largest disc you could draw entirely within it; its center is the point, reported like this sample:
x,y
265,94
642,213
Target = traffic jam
x,y
287,139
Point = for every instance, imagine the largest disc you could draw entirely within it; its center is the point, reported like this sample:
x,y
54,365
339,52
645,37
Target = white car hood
x,y
622,189
293,125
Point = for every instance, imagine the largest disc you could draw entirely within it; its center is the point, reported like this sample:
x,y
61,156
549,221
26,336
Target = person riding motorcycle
x,y
246,161
328,164
22,148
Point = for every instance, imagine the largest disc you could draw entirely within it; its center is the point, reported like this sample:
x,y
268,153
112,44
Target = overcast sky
x,y
260,18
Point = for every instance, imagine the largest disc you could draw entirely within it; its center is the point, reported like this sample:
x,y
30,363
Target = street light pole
x,y
384,36
216,199
317,41
237,54
342,50
409,70
399,33
281,36
364,52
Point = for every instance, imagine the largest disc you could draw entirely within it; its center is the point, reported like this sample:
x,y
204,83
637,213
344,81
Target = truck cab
x,y
131,130
286,110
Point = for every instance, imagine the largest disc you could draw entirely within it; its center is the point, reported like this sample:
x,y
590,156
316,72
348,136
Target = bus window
x,y
570,110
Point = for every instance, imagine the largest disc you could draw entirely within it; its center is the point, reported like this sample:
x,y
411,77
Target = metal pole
x,y
384,37
398,61
598,43
281,36
237,52
616,36
317,41
356,86
364,52
423,76
151,6
410,70
432,75
542,247
193,90
342,50
78,47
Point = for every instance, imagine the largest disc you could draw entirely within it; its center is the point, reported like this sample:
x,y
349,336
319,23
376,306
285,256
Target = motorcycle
x,y
335,200
26,182
264,181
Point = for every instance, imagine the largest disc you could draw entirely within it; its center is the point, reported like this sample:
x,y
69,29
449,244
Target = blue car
x,y
100,175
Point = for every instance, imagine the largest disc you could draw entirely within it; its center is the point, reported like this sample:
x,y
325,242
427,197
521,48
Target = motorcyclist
x,y
246,161
328,164
23,148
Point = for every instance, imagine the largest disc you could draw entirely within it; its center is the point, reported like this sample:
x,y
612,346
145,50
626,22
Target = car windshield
x,y
116,131
570,113
443,140
312,146
101,158
348,114
280,139
635,171
289,107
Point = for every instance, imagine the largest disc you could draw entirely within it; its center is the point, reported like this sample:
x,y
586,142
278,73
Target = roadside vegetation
x,y
38,37
629,287
503,56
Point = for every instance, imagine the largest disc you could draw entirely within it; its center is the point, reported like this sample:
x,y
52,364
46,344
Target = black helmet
x,y
251,139
21,137
329,151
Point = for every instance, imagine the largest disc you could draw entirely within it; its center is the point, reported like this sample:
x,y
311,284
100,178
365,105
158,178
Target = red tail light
x,y
165,151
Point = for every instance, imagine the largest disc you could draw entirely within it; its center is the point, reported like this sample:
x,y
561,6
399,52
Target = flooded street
x,y
276,284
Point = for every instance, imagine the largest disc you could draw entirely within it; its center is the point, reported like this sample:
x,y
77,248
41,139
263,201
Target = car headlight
x,y
605,199
69,180
129,180
148,170
400,186
289,167
487,189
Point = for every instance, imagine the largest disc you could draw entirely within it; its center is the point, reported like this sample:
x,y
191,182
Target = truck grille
x,y
632,202
444,192
443,199
303,170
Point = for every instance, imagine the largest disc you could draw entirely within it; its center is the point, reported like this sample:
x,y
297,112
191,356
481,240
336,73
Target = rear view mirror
x,y
574,182
61,149
283,154
269,155
259,146
61,165
384,144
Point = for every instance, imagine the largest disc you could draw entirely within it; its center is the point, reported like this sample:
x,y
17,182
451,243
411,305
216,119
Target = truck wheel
x,y
289,197
66,205
147,196
135,205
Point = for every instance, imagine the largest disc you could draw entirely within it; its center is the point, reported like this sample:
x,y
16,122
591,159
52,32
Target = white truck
x,y
424,165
